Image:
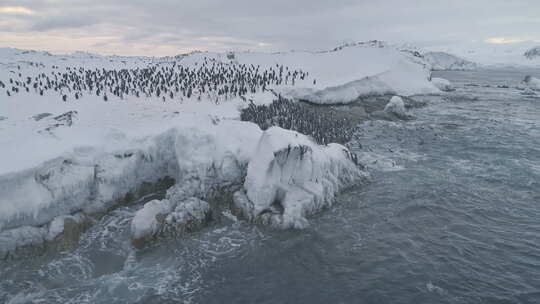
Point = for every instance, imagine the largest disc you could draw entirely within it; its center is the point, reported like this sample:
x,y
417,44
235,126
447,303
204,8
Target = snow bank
x,y
342,75
292,177
376,72
406,80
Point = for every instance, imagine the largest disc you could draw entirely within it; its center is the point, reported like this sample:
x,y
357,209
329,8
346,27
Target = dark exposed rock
x,y
66,119
532,53
40,116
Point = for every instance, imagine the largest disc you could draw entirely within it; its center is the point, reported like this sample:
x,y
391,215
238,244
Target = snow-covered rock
x,y
145,222
532,53
532,83
63,231
292,177
166,217
288,177
16,239
396,106
442,84
441,61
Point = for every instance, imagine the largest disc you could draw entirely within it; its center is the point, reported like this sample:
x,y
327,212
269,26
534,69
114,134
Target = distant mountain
x,y
370,43
444,61
532,53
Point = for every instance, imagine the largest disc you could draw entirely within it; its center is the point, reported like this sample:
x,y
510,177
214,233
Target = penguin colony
x,y
323,124
210,79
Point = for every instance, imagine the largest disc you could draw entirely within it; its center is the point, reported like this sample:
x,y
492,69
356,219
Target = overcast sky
x,y
169,27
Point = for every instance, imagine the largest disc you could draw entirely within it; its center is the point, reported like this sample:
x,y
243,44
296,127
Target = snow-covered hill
x,y
443,61
80,132
516,54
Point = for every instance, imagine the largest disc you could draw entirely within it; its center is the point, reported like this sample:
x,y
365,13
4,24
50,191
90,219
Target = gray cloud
x,y
272,25
63,22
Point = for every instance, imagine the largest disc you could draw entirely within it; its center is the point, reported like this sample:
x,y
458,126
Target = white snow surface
x,y
345,75
341,77
341,68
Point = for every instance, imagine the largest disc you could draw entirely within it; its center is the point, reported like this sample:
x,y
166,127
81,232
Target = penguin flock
x,y
210,79
324,126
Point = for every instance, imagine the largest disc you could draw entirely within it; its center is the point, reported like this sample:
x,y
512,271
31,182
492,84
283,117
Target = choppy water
x,y
452,216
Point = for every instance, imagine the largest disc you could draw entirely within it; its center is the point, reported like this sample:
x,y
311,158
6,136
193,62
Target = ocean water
x,y
452,215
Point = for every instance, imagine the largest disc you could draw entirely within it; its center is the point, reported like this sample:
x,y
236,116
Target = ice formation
x,y
162,217
200,154
396,106
532,83
442,84
292,177
63,232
